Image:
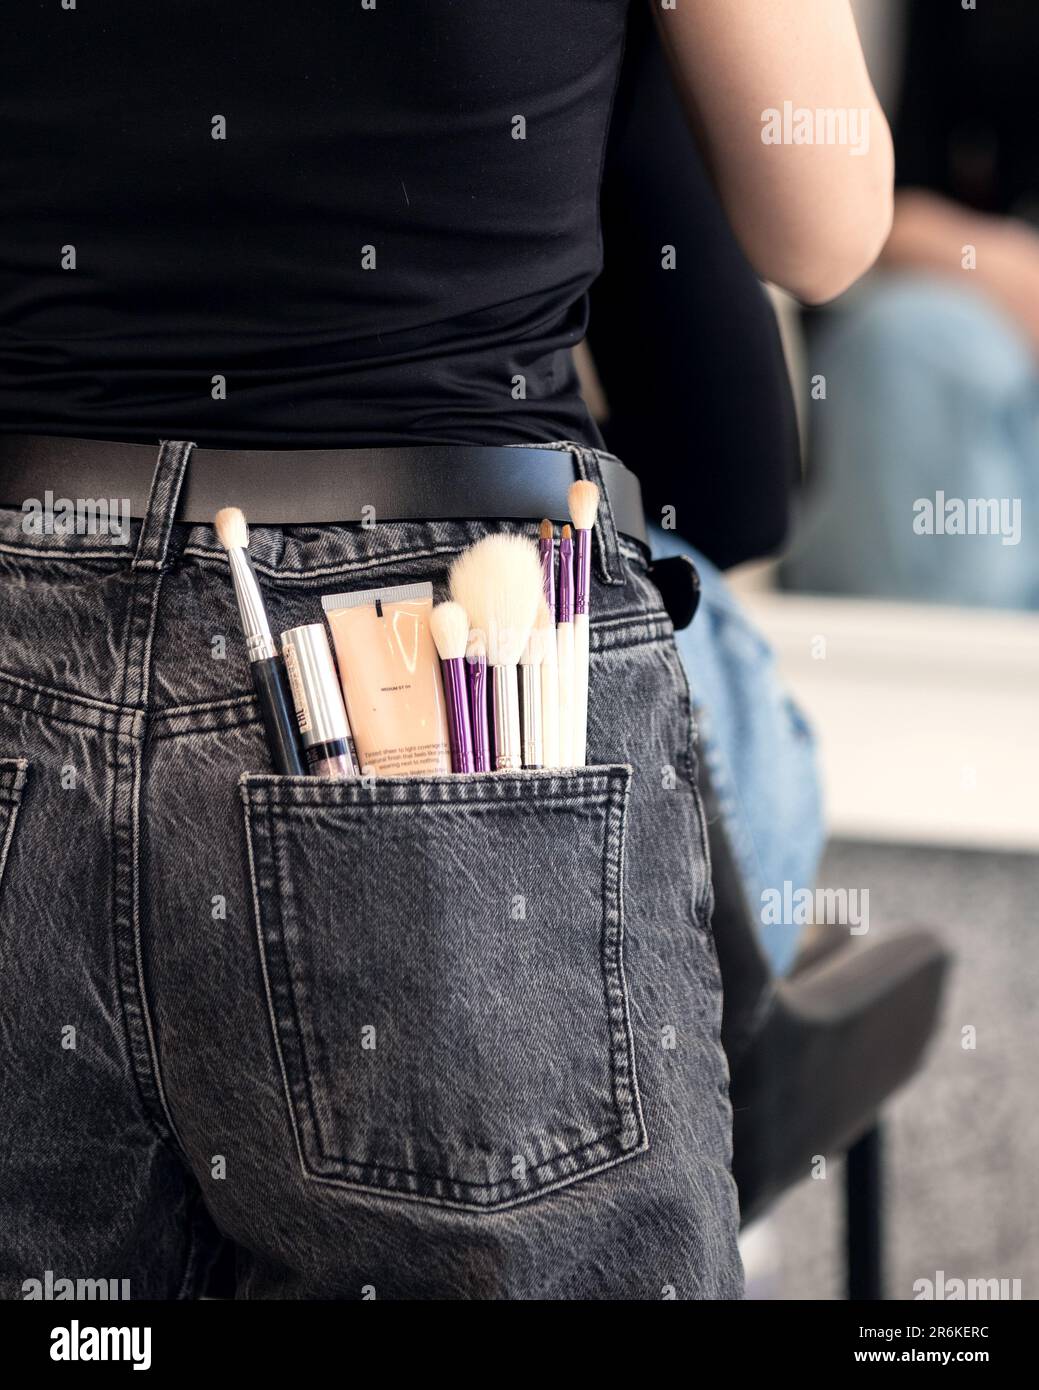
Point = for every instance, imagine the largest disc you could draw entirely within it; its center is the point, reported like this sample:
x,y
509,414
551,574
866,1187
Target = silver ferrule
x,y
258,640
533,742
316,694
508,748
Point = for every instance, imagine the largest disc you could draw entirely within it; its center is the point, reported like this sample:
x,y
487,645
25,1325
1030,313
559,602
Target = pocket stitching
x,y
628,1139
13,772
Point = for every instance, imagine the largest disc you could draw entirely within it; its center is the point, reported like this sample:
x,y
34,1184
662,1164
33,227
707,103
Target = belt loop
x,y
608,564
154,537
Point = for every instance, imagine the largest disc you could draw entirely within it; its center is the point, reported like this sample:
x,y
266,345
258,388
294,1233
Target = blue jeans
x,y
930,389
757,745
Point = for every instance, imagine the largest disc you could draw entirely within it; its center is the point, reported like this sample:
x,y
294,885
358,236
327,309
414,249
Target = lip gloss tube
x,y
328,747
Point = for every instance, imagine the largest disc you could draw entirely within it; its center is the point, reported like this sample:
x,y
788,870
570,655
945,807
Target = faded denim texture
x,y
444,1037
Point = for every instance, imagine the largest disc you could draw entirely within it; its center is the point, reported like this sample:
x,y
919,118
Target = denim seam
x,y
626,1033
615,636
58,698
33,696
146,582
208,727
365,564
216,559
485,1209
645,620
230,702
38,553
153,538
251,854
630,1136
602,1141
620,634
288,812
304,1083
689,758
469,790
14,770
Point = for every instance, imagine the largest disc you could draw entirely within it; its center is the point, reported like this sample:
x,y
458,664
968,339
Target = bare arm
x,y
812,217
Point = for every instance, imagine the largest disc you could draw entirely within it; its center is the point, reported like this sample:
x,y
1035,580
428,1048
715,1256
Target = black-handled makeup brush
x,y
269,677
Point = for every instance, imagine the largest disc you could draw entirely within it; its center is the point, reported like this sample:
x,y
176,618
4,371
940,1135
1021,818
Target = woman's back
x,y
390,237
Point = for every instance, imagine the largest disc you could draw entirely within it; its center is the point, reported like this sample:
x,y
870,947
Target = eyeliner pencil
x,y
268,671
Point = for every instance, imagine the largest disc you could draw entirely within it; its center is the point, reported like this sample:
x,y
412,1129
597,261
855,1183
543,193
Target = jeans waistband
x,y
371,487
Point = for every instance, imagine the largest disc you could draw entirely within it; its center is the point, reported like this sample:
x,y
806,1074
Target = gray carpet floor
x,y
963,1136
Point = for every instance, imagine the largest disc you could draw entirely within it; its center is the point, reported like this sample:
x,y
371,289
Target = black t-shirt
x,y
366,255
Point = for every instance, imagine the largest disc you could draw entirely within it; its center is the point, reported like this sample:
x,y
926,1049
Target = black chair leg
x,y
864,1216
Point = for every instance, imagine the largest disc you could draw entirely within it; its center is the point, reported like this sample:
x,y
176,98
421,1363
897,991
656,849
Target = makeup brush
x,y
565,648
549,663
269,678
544,624
583,500
498,583
530,696
449,624
476,662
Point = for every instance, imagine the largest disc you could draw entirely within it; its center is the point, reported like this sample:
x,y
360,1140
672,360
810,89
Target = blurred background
x,y
887,551
925,703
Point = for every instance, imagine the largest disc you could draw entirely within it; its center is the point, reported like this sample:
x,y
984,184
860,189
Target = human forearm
x,y
812,217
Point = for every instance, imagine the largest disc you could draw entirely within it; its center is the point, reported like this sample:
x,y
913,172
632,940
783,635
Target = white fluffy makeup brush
x,y
498,583
583,500
545,625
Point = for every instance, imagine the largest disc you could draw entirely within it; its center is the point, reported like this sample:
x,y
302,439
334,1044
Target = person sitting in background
x,y
926,448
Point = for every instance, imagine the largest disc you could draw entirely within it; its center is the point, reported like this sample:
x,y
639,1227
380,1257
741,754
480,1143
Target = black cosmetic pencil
x,y
269,677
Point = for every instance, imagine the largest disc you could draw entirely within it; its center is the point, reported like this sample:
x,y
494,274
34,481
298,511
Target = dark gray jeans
x,y
434,1037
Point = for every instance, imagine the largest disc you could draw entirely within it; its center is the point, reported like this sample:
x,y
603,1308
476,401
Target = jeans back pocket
x,y
443,960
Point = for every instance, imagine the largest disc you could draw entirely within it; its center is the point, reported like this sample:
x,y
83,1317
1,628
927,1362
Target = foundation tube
x,y
390,674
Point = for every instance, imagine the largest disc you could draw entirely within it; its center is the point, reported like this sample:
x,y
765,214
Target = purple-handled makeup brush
x,y
583,499
476,661
565,645
449,624
549,662
498,583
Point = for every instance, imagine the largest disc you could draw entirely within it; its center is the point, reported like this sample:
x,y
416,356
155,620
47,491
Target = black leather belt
x,y
441,482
